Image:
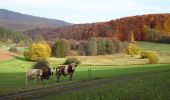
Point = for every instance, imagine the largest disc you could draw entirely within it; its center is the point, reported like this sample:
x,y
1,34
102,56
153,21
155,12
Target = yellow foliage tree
x,y
133,50
38,51
152,56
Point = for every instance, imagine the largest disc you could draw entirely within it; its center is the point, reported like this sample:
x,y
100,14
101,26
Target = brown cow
x,y
33,74
46,73
65,70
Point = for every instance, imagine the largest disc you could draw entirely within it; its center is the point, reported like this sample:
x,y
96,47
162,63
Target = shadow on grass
x,y
20,58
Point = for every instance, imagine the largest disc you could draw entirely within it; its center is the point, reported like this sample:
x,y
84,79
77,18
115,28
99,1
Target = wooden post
x,y
89,73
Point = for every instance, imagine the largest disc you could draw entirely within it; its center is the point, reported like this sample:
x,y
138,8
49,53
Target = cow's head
x,y
51,71
40,71
74,65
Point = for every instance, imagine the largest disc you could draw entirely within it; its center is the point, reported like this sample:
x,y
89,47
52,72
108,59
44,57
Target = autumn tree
x,y
82,48
73,44
151,55
133,50
88,47
100,46
153,58
132,39
38,51
91,47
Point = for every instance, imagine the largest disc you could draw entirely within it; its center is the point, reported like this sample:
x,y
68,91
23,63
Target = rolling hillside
x,y
21,22
152,27
9,36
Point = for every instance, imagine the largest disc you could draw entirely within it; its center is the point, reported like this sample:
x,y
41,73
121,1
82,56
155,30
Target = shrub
x,y
71,60
13,49
144,54
152,56
41,63
133,50
38,51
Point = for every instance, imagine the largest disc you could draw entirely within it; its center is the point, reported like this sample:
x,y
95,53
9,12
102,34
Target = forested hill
x,y
152,27
9,36
22,22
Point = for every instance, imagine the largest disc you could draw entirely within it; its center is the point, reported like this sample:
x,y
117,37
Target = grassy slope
x,y
162,49
12,82
12,72
152,86
159,47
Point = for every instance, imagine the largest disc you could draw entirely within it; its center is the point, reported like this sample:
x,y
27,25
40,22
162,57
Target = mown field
x,y
149,86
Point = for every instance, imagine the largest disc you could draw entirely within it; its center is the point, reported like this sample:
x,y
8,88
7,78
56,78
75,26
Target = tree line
x,y
119,28
62,48
9,36
90,47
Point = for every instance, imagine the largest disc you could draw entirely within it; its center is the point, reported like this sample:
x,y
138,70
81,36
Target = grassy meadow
x,y
146,86
151,81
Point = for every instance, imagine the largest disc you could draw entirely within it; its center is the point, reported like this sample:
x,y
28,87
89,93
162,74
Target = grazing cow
x,y
65,70
33,74
46,73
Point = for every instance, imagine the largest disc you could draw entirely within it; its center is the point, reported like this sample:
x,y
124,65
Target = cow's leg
x,y
41,78
35,80
51,77
71,77
26,80
58,77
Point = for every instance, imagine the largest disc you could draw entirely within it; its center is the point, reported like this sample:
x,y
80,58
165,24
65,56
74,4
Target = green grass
x,y
12,72
147,86
159,47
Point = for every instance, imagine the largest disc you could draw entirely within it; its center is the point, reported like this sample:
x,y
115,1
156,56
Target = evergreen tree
x,y
60,48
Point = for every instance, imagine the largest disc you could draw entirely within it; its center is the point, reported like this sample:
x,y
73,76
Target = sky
x,y
86,11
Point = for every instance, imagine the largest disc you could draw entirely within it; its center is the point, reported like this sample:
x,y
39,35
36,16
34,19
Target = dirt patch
x,y
6,56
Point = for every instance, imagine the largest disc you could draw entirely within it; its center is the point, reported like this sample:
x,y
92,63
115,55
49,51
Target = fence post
x,y
89,73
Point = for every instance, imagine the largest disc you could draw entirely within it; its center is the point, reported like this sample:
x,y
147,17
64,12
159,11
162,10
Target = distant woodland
x,y
153,27
9,36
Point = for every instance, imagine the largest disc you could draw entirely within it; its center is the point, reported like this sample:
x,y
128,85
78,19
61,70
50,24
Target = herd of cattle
x,y
47,73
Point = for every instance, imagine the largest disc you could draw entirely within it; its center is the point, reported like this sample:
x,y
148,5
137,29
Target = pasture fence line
x,y
89,73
